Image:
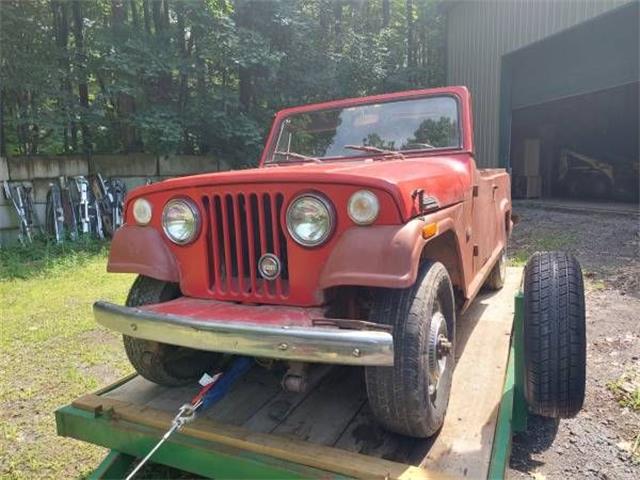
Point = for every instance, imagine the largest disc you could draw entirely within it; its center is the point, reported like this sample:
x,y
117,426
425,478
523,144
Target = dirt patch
x,y
606,245
598,443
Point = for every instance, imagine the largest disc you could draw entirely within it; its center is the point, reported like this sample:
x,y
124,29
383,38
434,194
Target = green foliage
x,y
626,390
438,133
197,76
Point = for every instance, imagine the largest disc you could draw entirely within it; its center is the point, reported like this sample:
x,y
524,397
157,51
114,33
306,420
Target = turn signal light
x,y
429,230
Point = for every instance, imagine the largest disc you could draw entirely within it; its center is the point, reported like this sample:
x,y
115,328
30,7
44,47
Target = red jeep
x,y
363,232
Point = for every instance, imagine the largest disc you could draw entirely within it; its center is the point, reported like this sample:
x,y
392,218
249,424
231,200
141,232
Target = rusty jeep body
x,y
365,230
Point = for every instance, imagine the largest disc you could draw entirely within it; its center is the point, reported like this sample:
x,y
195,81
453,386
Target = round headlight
x,y
310,220
363,207
142,211
180,221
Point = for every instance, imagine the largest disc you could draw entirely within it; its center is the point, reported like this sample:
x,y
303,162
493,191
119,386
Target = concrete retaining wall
x,y
133,170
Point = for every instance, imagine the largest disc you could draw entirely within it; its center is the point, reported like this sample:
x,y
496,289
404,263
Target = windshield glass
x,y
417,124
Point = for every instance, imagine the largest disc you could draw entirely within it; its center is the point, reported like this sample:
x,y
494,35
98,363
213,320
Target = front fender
x,y
142,250
383,255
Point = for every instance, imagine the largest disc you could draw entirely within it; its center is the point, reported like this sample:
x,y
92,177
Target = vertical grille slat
x,y
282,242
215,236
251,244
263,238
228,270
238,241
274,239
242,228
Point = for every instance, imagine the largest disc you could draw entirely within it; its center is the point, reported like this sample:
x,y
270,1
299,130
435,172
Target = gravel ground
x,y
599,442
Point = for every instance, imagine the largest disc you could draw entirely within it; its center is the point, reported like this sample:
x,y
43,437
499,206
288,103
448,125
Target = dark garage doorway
x,y
583,147
569,111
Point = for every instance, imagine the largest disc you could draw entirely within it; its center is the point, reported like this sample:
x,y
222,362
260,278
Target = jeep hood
x,y
445,178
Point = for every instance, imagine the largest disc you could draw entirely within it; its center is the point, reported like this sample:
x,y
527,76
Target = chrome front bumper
x,y
308,344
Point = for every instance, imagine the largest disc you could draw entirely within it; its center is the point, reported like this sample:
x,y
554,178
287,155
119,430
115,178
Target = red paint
x,y
215,311
385,254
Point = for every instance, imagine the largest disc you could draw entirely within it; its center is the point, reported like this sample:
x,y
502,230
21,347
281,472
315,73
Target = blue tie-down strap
x,y
239,367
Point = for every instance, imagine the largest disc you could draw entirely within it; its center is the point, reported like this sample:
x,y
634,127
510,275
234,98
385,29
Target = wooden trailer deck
x,y
326,430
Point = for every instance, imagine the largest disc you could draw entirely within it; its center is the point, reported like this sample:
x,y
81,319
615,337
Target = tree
x,y
197,76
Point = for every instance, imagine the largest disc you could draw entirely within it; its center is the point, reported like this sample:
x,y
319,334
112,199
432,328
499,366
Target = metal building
x,y
555,89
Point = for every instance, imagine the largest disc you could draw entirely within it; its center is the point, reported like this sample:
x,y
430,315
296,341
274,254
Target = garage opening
x,y
569,111
581,147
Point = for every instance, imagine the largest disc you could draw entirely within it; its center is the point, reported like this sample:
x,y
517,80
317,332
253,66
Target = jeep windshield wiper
x,y
298,156
380,151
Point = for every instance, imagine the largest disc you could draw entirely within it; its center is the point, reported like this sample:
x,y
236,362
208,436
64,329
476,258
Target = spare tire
x,y
554,335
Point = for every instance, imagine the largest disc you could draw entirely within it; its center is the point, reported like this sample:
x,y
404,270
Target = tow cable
x,y
214,388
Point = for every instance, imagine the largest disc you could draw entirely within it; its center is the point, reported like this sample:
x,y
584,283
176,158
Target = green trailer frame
x,y
129,440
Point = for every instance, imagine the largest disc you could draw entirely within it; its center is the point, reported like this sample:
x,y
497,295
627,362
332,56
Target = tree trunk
x,y
245,74
185,47
165,14
157,16
20,127
147,16
125,103
201,87
34,132
135,19
81,59
337,10
61,33
411,48
118,14
3,141
386,13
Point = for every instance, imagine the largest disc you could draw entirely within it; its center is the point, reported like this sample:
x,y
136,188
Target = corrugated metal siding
x,y
481,31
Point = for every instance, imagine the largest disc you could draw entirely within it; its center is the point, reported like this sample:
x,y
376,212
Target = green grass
x,y
541,242
52,351
626,390
46,258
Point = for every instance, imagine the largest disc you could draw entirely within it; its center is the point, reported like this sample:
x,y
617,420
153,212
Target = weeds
x,y
626,390
539,242
46,258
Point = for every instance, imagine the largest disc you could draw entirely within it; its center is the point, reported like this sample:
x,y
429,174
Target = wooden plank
x,y
137,389
249,394
327,411
274,412
365,436
304,453
170,399
463,446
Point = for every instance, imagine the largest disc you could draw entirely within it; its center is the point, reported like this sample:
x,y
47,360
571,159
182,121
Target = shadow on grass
x,y
45,257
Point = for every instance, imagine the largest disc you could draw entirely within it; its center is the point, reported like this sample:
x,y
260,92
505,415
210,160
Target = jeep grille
x,y
241,228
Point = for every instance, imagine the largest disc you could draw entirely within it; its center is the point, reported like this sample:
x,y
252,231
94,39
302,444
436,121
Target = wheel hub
x,y
439,348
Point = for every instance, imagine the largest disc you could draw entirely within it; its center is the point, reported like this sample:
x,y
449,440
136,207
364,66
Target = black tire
x,y
554,335
495,280
400,396
161,363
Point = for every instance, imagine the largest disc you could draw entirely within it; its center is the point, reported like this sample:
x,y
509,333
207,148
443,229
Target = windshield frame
x,y
281,117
